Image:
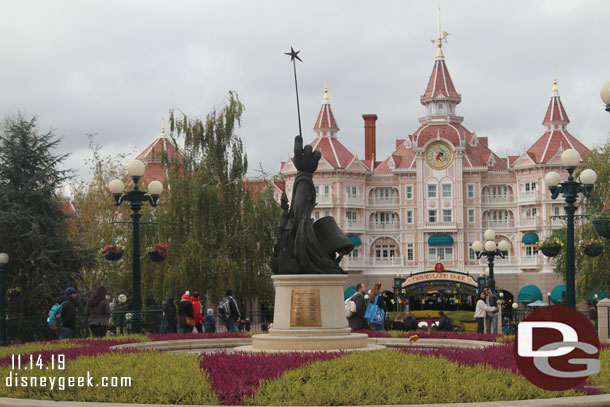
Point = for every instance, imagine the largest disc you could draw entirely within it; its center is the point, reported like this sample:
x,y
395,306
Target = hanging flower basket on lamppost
x,y
591,248
551,246
113,252
601,224
158,252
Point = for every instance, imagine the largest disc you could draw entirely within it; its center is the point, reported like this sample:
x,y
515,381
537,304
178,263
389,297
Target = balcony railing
x,y
384,201
383,226
498,261
354,200
498,199
440,225
351,224
530,261
527,196
498,224
384,261
324,199
353,262
529,221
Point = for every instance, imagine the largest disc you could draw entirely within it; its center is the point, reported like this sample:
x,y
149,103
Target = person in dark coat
x,y
209,323
409,323
443,323
68,313
98,312
234,313
357,321
169,323
185,309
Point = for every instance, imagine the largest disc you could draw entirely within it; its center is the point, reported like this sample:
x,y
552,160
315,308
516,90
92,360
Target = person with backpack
x,y
228,310
356,320
197,311
209,323
169,321
98,312
377,298
186,315
67,314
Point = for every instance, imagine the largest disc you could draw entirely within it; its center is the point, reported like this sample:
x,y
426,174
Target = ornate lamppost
x,y
570,189
136,199
3,261
491,250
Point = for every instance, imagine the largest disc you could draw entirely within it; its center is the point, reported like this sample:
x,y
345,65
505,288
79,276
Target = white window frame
x,y
471,215
470,193
409,191
447,215
409,220
432,191
442,252
432,214
410,252
447,193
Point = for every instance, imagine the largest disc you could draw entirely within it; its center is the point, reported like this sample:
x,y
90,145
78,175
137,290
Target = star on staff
x,y
293,55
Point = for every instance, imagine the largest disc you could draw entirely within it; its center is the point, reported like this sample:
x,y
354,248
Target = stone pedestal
x,y
309,315
603,323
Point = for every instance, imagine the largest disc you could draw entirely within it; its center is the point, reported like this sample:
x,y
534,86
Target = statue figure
x,y
305,246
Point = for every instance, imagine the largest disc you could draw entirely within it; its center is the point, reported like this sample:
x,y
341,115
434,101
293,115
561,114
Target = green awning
x,y
530,238
529,293
355,240
351,290
600,296
440,240
556,293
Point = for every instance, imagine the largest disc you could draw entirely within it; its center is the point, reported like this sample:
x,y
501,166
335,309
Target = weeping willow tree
x,y
592,274
220,231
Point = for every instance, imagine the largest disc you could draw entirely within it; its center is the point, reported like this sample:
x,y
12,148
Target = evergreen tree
x,y
43,262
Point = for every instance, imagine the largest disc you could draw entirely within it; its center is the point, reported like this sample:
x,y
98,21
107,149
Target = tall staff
x,y
295,55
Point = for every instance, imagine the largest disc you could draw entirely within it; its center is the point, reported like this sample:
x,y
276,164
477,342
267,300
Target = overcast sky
x,y
115,68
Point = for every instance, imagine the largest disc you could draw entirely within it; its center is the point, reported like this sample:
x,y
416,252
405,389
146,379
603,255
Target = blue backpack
x,y
54,318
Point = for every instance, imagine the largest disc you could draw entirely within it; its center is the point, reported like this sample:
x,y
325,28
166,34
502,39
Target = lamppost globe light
x,y
122,298
503,246
490,246
155,188
588,177
570,158
501,294
552,179
116,187
515,305
489,234
486,270
605,93
477,247
136,168
596,296
3,258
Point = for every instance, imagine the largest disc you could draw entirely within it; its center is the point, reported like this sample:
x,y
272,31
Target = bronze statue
x,y
305,246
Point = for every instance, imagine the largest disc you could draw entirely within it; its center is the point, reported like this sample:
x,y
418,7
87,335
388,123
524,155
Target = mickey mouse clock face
x,y
439,155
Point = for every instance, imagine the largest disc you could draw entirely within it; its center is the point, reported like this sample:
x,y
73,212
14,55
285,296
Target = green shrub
x,y
602,379
389,377
156,378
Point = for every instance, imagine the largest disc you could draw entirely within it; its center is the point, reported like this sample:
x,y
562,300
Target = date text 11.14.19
x,y
29,363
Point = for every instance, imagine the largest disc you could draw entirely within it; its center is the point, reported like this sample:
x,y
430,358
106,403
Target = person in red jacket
x,y
197,311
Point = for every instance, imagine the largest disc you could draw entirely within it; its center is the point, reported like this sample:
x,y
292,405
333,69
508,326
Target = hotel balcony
x,y
351,263
497,199
529,261
354,200
324,199
384,226
507,261
351,224
528,197
498,224
529,222
392,201
441,225
384,261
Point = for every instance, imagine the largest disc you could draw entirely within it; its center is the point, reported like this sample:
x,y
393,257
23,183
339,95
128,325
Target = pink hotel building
x,y
438,192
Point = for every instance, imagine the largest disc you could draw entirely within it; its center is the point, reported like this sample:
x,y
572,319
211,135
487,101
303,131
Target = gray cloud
x,y
115,68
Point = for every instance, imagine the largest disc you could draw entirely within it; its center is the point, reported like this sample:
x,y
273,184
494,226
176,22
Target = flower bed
x,y
174,337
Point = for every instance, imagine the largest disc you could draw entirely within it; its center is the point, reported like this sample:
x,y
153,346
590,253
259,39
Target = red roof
x,y
326,119
152,155
440,83
452,132
555,112
333,151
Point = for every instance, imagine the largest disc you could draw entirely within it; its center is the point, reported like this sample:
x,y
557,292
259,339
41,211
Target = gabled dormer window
x,y
491,161
450,108
440,107
391,163
473,141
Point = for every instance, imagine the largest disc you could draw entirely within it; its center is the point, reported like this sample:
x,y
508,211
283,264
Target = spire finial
x,y
325,91
555,82
162,127
439,51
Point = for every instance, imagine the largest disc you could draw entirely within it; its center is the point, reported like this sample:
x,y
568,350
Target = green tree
x,y
43,261
220,232
592,272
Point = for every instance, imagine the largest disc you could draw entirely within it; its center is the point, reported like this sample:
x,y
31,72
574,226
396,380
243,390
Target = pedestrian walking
x,y
98,312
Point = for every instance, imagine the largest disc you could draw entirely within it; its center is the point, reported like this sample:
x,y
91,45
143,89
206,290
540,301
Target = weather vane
x,y
295,55
441,37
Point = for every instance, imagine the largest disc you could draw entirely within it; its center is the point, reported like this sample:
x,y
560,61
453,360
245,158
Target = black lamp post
x,y
136,199
570,190
3,261
491,250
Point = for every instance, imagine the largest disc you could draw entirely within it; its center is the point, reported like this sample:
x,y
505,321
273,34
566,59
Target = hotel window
x,y
409,191
385,217
409,217
470,190
471,254
470,215
326,213
326,190
530,186
385,250
450,108
351,192
316,214
384,193
409,251
432,215
447,215
354,254
440,108
440,252
351,215
531,212
431,191
446,190
556,210
531,250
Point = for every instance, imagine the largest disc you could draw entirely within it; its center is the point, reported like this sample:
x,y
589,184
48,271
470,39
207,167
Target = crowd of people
x,y
187,317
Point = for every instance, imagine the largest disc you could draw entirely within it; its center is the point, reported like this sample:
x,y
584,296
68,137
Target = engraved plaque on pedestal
x,y
305,308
